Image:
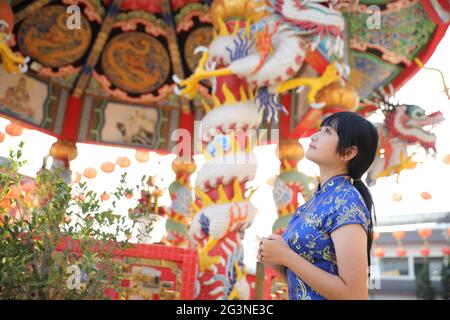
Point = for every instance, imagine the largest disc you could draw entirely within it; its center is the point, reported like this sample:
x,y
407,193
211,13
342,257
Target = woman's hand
x,y
273,250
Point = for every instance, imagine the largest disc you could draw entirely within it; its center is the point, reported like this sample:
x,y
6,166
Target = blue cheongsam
x,y
335,204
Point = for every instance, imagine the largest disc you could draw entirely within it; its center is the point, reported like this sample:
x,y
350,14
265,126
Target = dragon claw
x,y
176,79
200,49
187,87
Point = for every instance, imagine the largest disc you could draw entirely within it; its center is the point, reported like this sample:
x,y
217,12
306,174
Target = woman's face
x,y
323,147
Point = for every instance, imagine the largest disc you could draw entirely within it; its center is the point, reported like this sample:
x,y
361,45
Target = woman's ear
x,y
350,153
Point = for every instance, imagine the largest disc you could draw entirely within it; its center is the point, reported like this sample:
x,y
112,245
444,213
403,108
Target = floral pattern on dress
x,y
308,233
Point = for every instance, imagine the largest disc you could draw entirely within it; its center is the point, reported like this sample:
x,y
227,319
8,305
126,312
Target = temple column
x,y
289,183
180,213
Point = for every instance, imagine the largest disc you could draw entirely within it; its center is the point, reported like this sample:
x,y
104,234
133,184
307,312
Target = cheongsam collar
x,y
330,182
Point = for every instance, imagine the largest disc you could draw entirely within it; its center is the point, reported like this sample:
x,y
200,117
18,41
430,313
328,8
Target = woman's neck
x,y
327,173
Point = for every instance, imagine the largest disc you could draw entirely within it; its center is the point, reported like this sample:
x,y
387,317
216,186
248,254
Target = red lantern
x,y
376,235
379,252
425,195
142,156
14,129
401,252
425,251
425,233
2,137
129,194
398,235
446,159
446,251
105,196
448,232
108,167
90,173
123,162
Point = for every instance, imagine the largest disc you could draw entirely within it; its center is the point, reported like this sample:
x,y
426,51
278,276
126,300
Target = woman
x,y
324,252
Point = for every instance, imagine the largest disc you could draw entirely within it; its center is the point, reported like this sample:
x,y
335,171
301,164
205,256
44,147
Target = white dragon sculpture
x,y
268,53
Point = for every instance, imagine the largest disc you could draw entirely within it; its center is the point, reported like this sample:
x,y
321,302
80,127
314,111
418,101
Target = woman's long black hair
x,y
354,130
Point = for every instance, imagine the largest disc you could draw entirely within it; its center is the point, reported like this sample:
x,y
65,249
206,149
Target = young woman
x,y
324,252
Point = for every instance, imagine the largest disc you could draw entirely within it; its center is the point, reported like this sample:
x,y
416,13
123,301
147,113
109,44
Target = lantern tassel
x,y
446,88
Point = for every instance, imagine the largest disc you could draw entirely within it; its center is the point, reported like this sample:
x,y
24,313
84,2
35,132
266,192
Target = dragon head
x,y
411,123
406,122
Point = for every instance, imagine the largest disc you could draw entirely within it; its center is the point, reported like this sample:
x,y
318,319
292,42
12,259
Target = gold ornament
x,y
223,10
337,95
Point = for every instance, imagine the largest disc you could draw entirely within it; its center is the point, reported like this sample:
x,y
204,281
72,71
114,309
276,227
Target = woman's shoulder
x,y
349,192
349,198
348,208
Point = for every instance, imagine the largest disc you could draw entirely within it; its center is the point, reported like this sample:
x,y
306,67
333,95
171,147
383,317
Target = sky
x,y
432,175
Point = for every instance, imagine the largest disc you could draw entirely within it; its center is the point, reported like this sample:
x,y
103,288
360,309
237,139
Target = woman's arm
x,y
350,242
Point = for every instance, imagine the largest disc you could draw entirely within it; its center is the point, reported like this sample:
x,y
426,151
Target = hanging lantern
x,y
105,196
142,156
425,195
446,159
2,137
64,150
446,251
128,194
425,251
90,173
397,196
108,167
376,235
425,233
401,252
14,129
379,252
398,235
448,232
123,162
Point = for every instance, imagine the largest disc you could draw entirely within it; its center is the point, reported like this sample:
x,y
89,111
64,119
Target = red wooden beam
x,y
72,119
